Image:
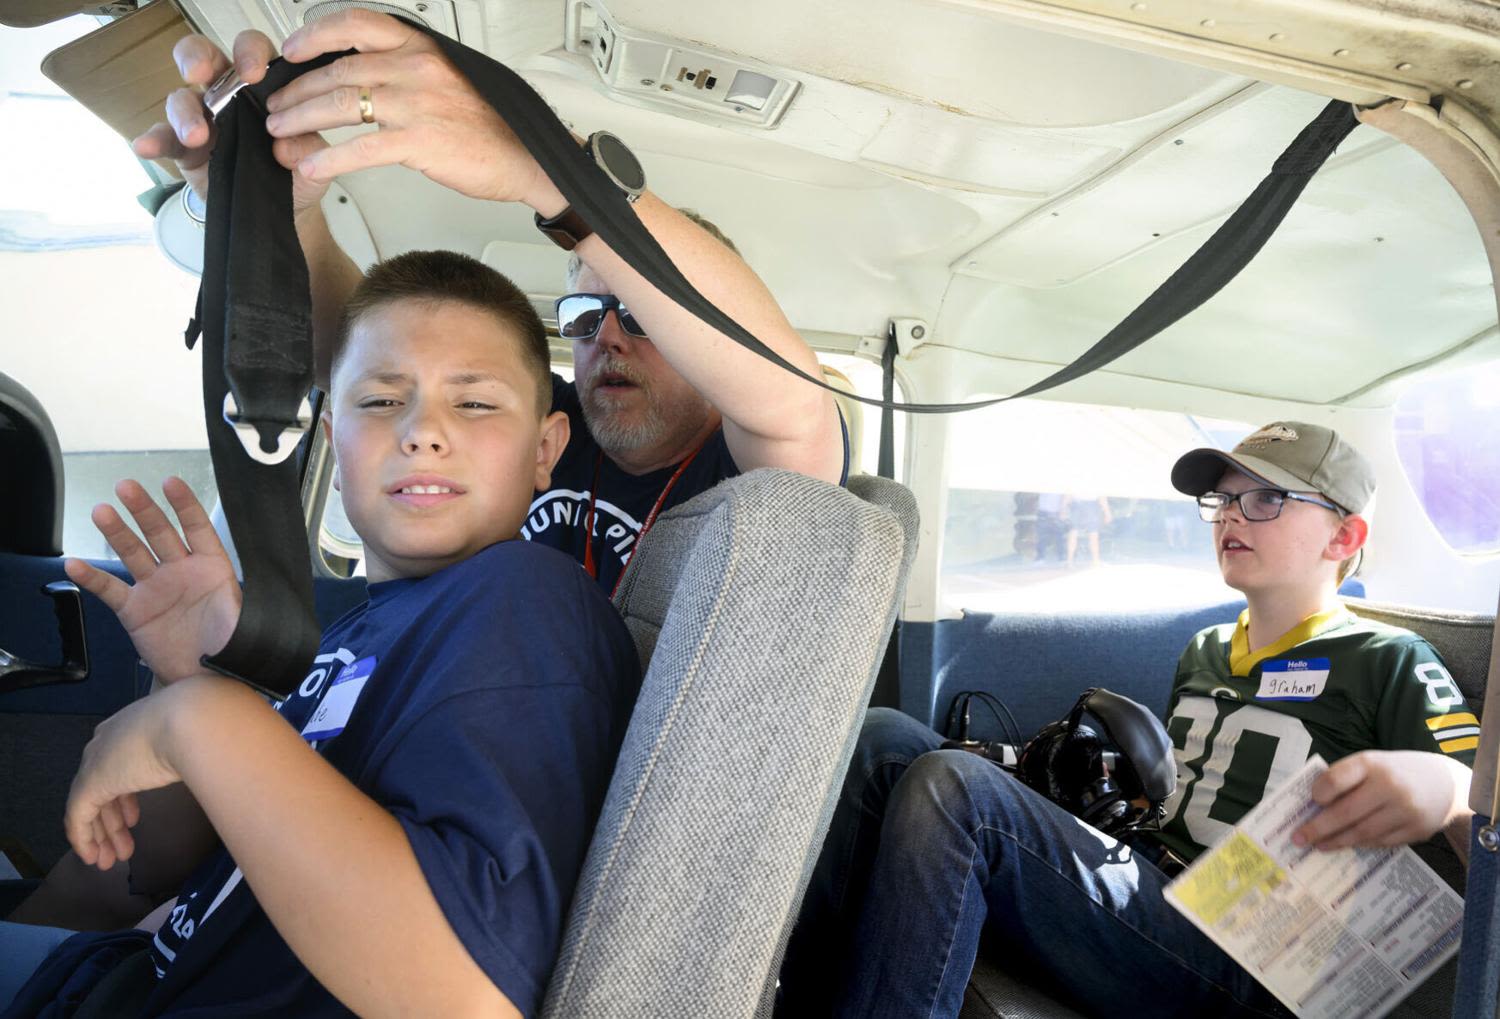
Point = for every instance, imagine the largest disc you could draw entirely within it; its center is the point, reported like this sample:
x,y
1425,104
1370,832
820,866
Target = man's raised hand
x,y
430,118
187,135
185,601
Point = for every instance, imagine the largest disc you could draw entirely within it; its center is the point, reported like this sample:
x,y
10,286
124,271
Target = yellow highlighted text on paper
x,y
1225,875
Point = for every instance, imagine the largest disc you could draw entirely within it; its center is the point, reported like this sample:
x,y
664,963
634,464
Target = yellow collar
x,y
1241,660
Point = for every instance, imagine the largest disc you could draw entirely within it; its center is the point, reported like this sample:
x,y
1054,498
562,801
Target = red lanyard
x,y
588,534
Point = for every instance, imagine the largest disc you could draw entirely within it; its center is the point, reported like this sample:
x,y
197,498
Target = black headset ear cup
x,y
1034,766
1065,763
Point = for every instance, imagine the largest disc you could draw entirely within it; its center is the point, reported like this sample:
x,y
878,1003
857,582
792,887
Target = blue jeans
x,y
929,848
22,948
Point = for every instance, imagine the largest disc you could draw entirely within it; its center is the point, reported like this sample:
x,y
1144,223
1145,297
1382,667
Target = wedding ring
x,y
366,106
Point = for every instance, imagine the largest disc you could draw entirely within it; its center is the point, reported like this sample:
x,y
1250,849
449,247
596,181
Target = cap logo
x,y
1270,434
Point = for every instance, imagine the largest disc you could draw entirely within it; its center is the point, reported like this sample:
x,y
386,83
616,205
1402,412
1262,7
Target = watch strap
x,y
567,229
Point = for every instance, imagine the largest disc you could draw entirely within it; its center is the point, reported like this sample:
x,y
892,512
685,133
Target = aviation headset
x,y
1066,762
1072,764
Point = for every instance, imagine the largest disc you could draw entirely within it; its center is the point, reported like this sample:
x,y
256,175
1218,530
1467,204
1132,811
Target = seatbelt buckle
x,y
224,88
249,435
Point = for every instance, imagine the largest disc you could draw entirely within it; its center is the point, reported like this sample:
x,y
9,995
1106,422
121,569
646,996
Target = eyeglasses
x,y
581,316
1255,505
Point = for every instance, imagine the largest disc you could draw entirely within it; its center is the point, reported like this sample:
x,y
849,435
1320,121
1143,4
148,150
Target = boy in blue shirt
x,y
405,837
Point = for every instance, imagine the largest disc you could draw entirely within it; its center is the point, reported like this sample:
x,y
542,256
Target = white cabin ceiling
x,y
1020,190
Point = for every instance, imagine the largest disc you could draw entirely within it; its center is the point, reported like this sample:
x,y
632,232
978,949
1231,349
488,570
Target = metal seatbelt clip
x,y
223,89
249,435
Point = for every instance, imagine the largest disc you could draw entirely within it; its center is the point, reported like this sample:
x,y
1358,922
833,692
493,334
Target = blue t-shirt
x,y
559,516
483,706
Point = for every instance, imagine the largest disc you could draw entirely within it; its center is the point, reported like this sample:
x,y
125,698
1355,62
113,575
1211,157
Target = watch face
x,y
620,162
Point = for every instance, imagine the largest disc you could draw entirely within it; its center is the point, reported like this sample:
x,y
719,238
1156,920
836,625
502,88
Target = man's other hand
x,y
187,136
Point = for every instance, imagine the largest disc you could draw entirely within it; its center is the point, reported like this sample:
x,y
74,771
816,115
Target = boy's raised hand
x,y
185,601
1386,798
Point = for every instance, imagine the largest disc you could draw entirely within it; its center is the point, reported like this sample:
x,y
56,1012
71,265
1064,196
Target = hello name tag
x,y
1293,679
338,704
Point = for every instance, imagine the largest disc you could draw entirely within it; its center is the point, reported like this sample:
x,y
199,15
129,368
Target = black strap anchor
x,y
18,673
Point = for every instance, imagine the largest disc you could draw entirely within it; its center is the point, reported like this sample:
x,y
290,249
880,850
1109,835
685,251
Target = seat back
x,y
763,607
1462,638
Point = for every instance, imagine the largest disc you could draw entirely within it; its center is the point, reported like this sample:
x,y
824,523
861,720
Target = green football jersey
x,y
1242,723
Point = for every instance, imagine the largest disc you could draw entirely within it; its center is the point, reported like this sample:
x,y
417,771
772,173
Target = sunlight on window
x,y
1056,505
93,315
1445,430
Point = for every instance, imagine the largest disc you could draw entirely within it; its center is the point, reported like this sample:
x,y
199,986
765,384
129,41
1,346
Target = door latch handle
x,y
18,673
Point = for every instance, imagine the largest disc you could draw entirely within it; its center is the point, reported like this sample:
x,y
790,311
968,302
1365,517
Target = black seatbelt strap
x,y
255,314
887,690
886,467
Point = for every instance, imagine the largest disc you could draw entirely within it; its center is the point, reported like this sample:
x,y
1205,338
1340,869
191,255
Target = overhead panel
x,y
965,60
674,73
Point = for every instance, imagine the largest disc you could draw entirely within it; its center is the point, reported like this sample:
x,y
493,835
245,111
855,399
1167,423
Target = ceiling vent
x,y
437,15
666,71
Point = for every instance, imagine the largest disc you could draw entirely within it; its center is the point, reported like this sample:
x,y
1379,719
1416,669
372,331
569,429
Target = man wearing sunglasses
x,y
664,406
643,438
929,847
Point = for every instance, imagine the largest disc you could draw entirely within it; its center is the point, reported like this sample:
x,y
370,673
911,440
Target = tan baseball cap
x,y
1290,455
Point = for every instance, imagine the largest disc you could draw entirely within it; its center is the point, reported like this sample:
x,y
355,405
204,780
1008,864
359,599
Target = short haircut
x,y
575,264
438,276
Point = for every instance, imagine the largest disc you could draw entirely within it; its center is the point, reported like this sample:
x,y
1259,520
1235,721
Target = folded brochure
x,y
1349,932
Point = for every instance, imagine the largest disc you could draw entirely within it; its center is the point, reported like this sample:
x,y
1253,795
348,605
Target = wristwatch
x,y
567,229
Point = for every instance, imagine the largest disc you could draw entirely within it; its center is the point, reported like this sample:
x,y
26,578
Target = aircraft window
x,y
93,314
1060,505
1445,435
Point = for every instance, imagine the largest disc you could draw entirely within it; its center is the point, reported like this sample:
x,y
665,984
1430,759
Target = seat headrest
x,y
31,516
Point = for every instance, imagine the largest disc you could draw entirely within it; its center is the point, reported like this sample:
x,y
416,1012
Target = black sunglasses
x,y
581,316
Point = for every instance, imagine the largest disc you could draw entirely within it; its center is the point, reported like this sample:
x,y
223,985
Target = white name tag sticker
x,y
1293,679
338,704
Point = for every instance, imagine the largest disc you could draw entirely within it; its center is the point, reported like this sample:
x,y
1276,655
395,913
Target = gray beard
x,y
616,436
656,428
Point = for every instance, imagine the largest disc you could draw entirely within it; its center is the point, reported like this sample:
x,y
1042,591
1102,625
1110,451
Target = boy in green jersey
x,y
930,847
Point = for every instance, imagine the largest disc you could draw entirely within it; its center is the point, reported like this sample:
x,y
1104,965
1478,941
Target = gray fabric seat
x,y
763,608
1463,639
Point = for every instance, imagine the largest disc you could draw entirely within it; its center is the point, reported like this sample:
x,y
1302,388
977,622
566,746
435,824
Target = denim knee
x,y
952,790
889,735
